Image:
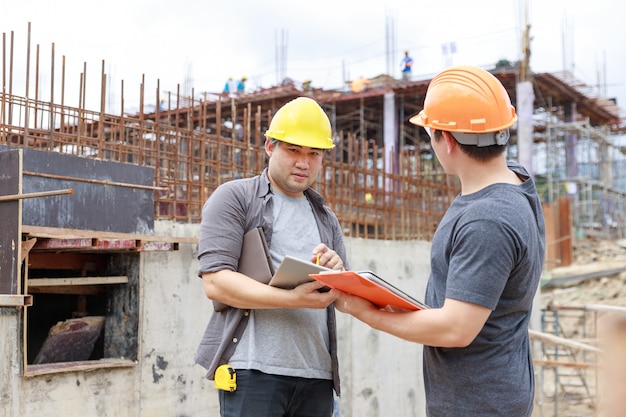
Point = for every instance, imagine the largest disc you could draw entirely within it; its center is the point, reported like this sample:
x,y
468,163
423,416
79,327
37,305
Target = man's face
x,y
292,168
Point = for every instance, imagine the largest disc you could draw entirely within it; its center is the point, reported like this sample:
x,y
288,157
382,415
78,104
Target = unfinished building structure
x,y
382,180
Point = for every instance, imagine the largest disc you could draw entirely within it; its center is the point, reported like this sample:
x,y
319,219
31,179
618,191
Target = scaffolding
x,y
568,359
579,157
568,371
584,162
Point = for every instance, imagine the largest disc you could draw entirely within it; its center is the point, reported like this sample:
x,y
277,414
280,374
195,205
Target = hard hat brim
x,y
306,142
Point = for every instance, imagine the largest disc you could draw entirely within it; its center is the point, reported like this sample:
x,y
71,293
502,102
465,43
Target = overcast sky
x,y
208,41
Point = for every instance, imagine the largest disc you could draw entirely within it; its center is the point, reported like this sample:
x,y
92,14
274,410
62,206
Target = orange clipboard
x,y
367,285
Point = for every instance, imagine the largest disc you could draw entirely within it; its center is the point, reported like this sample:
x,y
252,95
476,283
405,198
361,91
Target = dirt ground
x,y
578,287
590,257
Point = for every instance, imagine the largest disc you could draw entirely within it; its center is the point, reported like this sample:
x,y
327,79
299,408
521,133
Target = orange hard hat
x,y
467,99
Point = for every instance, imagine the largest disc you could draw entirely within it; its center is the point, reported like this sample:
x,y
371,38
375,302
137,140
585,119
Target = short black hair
x,y
479,153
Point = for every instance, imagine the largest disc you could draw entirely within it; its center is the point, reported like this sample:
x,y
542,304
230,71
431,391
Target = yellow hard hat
x,y
468,100
302,122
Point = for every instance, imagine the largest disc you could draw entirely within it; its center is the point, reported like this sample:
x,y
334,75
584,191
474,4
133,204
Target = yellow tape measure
x,y
225,378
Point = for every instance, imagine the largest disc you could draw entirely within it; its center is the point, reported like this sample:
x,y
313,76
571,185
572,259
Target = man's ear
x,y
451,143
269,147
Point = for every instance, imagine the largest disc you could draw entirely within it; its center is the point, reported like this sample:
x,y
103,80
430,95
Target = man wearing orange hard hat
x,y
486,258
279,344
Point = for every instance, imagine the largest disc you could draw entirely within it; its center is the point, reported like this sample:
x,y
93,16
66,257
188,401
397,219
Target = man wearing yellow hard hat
x,y
486,258
281,344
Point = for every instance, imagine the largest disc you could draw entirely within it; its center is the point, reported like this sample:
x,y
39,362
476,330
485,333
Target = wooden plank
x,y
56,282
565,229
605,308
557,364
55,368
158,246
555,340
10,221
103,244
27,245
553,255
111,244
67,261
13,300
86,243
71,290
64,233
72,243
569,280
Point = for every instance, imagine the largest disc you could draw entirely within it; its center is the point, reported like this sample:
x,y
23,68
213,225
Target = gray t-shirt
x,y
488,250
294,233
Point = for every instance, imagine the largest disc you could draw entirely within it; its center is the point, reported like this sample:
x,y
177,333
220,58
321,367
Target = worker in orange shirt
x,y
360,85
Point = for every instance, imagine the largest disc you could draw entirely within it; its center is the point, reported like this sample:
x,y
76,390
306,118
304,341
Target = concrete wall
x,y
165,381
381,375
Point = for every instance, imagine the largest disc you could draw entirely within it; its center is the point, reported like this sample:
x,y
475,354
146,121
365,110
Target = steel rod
x,y
15,197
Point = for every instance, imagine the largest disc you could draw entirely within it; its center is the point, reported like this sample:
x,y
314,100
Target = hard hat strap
x,y
483,139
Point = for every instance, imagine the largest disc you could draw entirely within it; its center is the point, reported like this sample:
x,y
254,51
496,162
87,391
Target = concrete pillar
x,y
525,98
571,141
605,170
390,136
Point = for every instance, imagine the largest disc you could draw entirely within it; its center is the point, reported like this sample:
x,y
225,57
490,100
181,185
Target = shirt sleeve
x,y
481,260
221,230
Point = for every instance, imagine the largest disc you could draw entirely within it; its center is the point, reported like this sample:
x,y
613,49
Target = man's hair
x,y
478,153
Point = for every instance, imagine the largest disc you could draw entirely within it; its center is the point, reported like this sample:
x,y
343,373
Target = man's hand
x,y
327,257
308,296
352,305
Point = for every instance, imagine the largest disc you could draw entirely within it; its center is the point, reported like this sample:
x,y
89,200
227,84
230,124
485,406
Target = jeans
x,y
263,395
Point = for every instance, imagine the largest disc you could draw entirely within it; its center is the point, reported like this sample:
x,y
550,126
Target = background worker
x,y
282,343
230,88
360,85
486,259
241,85
407,66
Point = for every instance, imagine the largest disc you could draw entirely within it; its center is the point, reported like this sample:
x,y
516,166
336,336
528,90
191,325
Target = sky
x,y
201,44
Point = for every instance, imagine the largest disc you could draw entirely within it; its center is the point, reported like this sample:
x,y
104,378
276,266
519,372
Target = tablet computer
x,y
293,272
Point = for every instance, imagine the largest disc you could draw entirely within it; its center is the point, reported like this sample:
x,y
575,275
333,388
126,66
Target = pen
x,y
317,261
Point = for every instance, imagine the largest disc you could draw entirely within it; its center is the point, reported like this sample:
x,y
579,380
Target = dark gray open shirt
x,y
233,209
